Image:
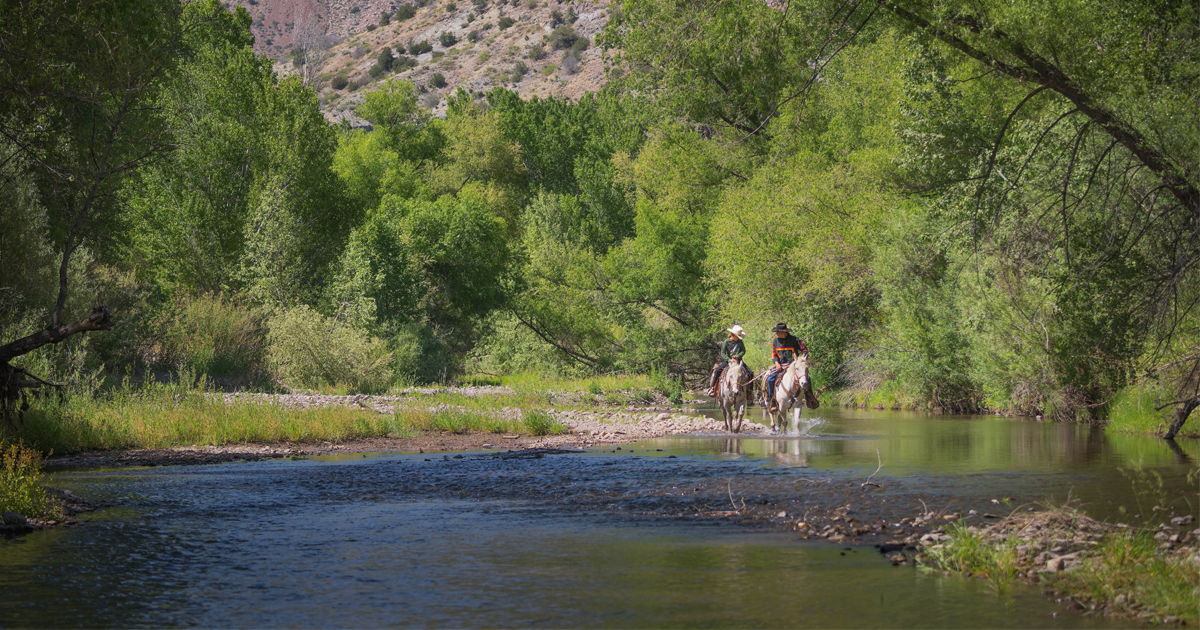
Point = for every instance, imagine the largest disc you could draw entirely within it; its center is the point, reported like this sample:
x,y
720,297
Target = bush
x,y
384,19
536,52
518,71
484,56
209,335
580,45
562,37
531,4
419,48
437,80
447,39
570,65
376,71
506,22
403,63
385,58
370,27
309,350
420,356
667,385
474,36
21,488
352,86
541,423
406,12
451,7
571,17
358,52
556,18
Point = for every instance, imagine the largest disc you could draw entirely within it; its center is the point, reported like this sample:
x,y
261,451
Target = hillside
x,y
476,46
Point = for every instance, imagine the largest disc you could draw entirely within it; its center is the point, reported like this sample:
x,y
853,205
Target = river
x,y
603,538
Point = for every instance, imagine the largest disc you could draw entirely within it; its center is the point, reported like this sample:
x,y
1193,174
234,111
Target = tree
x,y
77,83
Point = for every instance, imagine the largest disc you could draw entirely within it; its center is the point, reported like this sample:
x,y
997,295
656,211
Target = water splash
x,y
808,424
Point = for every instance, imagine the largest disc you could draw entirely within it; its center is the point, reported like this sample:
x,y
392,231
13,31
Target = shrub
x,y
470,18
358,52
484,56
451,7
375,71
570,65
571,17
518,71
403,63
580,45
541,423
385,58
209,335
447,39
309,350
21,488
473,36
536,52
419,48
531,4
406,12
370,27
437,80
421,357
480,5
556,18
506,22
352,86
384,19
562,37
339,82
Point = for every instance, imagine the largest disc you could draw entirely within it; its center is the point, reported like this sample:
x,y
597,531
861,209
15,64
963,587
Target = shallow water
x,y
582,540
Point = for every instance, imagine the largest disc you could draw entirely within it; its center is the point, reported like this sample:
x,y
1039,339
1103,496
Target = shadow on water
x,y
605,538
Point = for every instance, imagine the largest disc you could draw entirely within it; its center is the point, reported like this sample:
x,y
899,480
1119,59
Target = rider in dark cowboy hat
x,y
730,348
787,349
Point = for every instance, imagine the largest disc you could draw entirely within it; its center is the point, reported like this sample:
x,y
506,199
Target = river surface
x,y
603,538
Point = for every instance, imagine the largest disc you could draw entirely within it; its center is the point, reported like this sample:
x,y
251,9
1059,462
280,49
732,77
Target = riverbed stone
x,y
13,518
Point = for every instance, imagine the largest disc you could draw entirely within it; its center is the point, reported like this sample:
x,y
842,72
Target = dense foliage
x,y
970,205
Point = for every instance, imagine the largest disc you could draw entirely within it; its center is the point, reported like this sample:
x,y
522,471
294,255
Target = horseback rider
x,y
787,349
731,348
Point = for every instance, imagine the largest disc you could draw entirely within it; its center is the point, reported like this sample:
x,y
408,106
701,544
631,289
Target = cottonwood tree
x,y
78,80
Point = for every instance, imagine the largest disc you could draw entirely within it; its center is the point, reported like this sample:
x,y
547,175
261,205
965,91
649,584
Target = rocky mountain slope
x,y
536,47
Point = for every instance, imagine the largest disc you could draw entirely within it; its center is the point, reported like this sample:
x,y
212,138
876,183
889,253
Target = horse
x,y
732,395
788,390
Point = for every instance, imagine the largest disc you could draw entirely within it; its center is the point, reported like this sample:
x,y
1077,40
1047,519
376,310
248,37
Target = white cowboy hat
x,y
737,330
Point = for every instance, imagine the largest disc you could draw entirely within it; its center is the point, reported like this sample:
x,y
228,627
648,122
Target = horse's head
x,y
733,375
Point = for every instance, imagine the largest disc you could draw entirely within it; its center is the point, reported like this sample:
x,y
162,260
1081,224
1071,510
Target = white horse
x,y
789,390
732,395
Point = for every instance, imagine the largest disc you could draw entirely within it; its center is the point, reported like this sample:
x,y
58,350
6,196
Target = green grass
x,y
1132,411
1130,565
968,552
1125,574
157,415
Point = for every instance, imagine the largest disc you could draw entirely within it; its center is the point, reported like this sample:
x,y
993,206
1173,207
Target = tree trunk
x,y
1182,411
14,380
97,320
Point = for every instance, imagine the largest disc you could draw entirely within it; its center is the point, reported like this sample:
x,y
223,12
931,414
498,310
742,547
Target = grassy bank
x,y
157,415
1115,569
1134,410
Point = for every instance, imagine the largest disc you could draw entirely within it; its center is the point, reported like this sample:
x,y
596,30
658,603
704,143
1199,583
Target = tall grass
x,y
968,552
180,413
21,488
1134,410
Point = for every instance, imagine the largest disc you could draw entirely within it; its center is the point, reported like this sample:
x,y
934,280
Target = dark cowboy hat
x,y
781,327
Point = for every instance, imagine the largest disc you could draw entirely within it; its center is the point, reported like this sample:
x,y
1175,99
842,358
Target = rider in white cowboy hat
x,y
730,348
